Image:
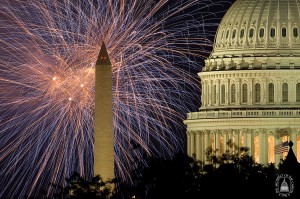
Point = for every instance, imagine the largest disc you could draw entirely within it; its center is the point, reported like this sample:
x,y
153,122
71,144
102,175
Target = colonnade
x,y
261,142
239,88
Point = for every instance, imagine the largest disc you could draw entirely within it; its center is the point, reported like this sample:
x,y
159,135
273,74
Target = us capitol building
x,y
251,82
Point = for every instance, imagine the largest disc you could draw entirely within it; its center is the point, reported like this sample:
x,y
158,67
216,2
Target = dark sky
x,y
209,18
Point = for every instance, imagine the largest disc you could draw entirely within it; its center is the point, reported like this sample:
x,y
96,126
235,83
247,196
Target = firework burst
x,y
48,53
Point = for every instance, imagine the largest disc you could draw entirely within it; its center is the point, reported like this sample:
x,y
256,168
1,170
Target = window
x,y
295,32
271,92
215,94
271,151
242,33
227,34
261,32
245,93
233,93
298,92
223,94
257,93
272,32
256,149
283,32
285,92
233,33
251,33
222,34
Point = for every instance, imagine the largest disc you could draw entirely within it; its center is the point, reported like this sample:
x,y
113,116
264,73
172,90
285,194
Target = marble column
x,y
278,140
249,141
229,138
225,140
192,144
227,93
198,145
263,146
206,139
264,91
203,94
210,94
188,150
238,91
218,93
217,141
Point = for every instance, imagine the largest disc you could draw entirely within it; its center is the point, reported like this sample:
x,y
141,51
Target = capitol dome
x,y
262,34
250,84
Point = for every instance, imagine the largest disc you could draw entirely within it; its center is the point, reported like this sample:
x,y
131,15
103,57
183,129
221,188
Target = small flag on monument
x,y
281,148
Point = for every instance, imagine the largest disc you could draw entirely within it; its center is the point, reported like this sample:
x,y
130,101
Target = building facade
x,y
251,82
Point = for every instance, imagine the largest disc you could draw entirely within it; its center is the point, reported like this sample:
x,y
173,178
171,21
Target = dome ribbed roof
x,y
258,28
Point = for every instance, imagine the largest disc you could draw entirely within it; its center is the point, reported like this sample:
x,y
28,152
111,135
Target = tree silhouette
x,y
233,174
79,188
236,174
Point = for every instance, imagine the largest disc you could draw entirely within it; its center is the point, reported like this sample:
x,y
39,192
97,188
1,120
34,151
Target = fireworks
x,y
48,53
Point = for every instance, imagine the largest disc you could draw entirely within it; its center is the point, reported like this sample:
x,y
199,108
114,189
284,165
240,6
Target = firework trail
x,y
48,50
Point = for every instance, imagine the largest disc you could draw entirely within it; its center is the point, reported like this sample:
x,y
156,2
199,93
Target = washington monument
x,y
103,131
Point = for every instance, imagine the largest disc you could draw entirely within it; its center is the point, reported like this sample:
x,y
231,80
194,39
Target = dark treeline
x,y
233,174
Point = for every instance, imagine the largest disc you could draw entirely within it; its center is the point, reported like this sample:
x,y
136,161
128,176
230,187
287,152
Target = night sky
x,y
47,51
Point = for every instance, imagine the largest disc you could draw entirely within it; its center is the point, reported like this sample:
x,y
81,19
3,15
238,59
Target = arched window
x,y
261,32
257,92
233,33
223,94
233,93
298,92
295,32
242,33
271,149
271,92
283,32
272,32
227,34
245,93
214,94
285,92
251,33
256,149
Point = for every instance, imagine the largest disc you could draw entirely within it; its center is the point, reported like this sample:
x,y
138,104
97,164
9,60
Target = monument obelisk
x,y
103,127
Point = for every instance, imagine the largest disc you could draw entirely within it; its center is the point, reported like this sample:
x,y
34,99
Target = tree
x,y
233,174
79,188
174,178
